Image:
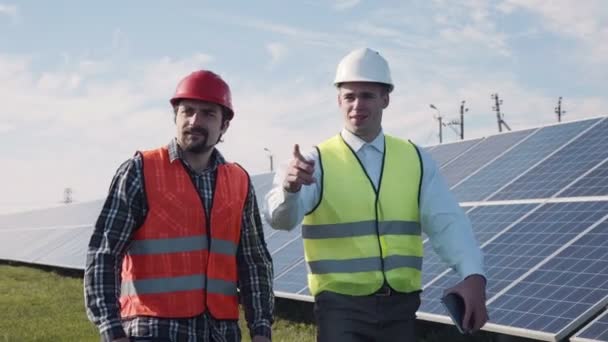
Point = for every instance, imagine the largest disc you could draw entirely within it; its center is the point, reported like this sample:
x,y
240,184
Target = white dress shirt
x,y
442,220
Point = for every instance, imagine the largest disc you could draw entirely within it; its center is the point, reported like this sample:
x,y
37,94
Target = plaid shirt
x,y
124,212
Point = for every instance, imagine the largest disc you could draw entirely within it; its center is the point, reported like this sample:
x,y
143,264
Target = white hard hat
x,y
364,65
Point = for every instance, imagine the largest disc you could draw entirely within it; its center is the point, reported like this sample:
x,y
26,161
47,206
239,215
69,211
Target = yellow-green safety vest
x,y
357,237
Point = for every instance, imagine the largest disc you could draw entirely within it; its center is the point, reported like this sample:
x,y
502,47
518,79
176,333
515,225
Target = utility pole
x,y
460,122
499,115
558,110
462,111
440,120
270,157
67,196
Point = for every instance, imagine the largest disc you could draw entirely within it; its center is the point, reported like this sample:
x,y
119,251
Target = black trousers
x,y
374,318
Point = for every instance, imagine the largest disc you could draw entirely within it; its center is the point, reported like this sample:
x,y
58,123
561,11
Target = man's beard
x,y
201,145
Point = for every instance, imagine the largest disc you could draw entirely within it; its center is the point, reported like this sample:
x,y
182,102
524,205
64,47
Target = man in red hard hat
x,y
179,233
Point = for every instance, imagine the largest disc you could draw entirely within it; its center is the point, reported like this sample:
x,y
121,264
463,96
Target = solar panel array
x,y
594,331
538,203
57,236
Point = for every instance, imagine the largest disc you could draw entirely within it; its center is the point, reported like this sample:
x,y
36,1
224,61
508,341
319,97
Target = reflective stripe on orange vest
x,y
176,265
181,245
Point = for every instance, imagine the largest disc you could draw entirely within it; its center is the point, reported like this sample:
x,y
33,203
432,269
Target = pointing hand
x,y
299,172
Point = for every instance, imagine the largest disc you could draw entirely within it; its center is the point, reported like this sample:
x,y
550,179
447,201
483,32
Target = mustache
x,y
197,130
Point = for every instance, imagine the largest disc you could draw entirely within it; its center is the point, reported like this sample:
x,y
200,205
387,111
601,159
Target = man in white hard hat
x,y
364,198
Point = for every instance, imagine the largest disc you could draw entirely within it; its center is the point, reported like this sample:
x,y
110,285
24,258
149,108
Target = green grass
x,y
40,305
37,305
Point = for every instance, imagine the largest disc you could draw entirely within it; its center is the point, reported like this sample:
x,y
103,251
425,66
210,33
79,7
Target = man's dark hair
x,y
226,114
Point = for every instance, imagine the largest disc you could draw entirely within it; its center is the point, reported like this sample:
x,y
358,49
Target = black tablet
x,y
454,304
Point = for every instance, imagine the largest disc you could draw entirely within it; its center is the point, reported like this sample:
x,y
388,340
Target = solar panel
x,y
72,253
293,280
559,295
562,168
486,221
596,331
445,152
281,238
593,184
35,245
516,161
479,155
61,216
525,244
262,184
287,255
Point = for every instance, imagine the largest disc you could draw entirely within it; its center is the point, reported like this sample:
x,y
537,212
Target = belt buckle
x,y
384,291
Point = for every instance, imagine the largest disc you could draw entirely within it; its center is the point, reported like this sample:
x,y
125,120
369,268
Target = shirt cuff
x,y
113,331
262,329
471,268
290,196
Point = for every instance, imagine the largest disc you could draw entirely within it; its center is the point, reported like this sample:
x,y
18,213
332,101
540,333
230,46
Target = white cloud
x,y
93,67
342,5
159,78
301,36
452,28
7,127
368,28
119,40
568,17
473,34
12,67
9,10
277,52
586,21
71,101
472,23
52,82
85,116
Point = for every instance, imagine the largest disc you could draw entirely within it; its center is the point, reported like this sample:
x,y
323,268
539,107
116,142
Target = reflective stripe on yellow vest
x,y
357,237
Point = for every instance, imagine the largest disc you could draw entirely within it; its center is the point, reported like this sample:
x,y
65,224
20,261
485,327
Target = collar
x,y
176,153
357,143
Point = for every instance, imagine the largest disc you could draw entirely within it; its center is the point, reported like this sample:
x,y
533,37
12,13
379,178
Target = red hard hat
x,y
204,85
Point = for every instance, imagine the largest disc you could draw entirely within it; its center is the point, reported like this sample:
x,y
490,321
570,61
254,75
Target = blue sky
x,y
85,85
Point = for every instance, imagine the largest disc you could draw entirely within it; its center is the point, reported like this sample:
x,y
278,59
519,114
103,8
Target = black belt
x,y
385,291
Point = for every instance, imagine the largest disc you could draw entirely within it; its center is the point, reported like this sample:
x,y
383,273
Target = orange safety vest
x,y
181,262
